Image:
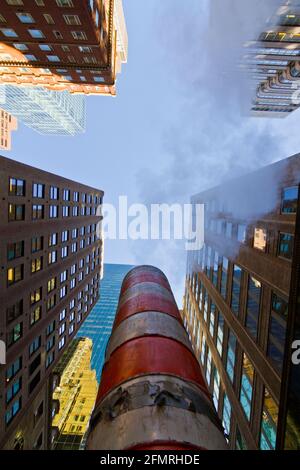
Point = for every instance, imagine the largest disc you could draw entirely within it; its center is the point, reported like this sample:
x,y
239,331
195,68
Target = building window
x,y
54,192
240,441
220,334
277,331
13,369
53,58
13,390
53,212
216,388
13,411
64,252
286,245
246,389
260,239
45,47
236,288
228,230
14,311
224,275
36,33
65,211
52,240
51,302
64,3
64,236
241,233
38,190
253,306
36,264
79,35
66,195
289,200
51,285
16,187
36,244
35,345
36,296
35,315
49,18
15,250
72,20
16,212
226,415
15,274
269,420
9,32
231,352
15,334
25,18
21,47
37,211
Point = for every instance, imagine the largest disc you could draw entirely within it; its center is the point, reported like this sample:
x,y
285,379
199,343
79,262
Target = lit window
x,y
15,274
260,239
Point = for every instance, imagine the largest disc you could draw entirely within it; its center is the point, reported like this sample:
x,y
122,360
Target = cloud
x,y
211,139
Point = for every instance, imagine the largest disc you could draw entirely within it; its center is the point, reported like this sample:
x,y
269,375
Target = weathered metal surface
x,y
147,324
144,303
156,424
149,355
145,277
154,390
152,288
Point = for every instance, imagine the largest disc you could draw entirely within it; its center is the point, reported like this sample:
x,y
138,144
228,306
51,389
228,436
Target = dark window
x,y
13,410
37,211
16,187
236,288
13,390
16,212
35,345
35,364
14,334
277,331
224,277
36,244
13,369
15,250
289,200
231,351
241,235
14,311
253,306
286,245
34,382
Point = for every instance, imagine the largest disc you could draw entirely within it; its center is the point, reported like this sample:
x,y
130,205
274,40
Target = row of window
x,y
260,236
16,212
289,202
16,274
278,308
15,250
17,187
215,323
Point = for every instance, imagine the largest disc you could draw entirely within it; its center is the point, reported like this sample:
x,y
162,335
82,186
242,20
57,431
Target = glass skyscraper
x,y
45,111
99,323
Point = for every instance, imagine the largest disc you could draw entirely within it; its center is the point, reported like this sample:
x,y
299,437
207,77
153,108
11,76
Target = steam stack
x,y
152,395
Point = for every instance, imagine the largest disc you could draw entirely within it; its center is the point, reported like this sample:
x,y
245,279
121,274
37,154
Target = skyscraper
x,y
99,324
50,255
75,391
8,123
241,301
63,45
45,111
273,61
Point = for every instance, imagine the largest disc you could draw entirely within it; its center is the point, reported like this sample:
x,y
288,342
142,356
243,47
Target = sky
x,y
179,123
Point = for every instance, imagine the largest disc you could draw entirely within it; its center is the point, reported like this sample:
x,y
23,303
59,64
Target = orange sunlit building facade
x,y
69,45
